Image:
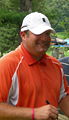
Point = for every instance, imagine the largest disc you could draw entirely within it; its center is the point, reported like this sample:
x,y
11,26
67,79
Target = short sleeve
x,y
5,80
64,90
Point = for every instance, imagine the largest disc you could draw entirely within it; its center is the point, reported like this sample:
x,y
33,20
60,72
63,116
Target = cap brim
x,y
40,29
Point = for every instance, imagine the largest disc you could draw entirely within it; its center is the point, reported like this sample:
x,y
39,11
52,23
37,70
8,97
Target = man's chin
x,y
43,51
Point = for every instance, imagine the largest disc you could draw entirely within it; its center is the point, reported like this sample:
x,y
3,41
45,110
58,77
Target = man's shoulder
x,y
53,59
11,59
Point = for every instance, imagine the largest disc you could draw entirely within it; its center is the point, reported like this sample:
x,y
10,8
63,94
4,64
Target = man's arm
x,y
8,112
64,105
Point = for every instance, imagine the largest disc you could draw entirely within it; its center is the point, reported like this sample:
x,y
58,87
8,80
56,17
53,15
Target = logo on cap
x,y
43,19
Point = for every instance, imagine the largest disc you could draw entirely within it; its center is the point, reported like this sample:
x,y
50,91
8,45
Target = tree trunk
x,y
25,5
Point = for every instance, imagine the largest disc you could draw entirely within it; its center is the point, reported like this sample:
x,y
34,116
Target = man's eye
x,y
48,34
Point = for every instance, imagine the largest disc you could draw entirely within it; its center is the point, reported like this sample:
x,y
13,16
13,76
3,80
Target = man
x,y
32,84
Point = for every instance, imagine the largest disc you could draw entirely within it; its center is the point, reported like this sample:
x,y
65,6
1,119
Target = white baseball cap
x,y
37,23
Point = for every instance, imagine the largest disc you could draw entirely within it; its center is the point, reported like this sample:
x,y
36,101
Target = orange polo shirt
x,y
26,82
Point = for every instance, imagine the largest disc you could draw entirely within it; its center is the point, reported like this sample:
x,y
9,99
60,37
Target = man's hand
x,y
47,112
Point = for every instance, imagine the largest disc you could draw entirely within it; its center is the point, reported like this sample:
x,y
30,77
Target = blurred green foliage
x,y
10,23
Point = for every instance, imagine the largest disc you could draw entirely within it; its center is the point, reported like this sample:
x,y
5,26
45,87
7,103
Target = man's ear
x,y
22,34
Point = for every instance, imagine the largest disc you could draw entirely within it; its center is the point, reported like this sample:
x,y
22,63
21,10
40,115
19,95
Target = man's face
x,y
37,45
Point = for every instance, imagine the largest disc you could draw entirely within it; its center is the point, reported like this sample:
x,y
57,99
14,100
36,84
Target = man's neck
x,y
37,57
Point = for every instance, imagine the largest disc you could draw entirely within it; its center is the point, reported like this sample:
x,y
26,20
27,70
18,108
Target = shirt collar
x,y
29,59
